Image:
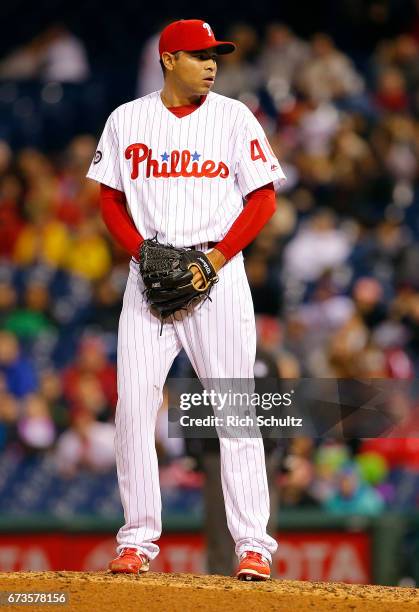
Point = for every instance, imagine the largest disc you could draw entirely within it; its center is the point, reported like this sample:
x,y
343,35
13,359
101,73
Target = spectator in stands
x,y
51,390
353,496
391,92
34,318
396,148
408,311
77,198
317,127
92,361
43,239
41,182
89,396
328,74
260,261
150,76
87,444
46,241
297,477
282,56
237,76
321,236
6,157
329,458
11,207
356,174
368,300
24,62
9,411
406,58
270,334
18,371
106,306
64,58
89,254
316,322
53,55
265,287
344,349
35,426
8,298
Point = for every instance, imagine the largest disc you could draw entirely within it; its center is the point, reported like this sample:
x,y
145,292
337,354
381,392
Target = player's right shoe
x,y
130,561
253,566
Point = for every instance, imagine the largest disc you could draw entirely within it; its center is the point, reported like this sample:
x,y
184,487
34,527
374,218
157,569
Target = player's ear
x,y
168,60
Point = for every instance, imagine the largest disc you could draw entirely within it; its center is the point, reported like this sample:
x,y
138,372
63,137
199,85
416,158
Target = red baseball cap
x,y
191,35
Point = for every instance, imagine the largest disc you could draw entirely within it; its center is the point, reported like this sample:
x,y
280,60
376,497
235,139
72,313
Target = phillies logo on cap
x,y
208,28
191,35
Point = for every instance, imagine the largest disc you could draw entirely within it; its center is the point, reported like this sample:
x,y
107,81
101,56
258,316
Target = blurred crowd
x,y
334,275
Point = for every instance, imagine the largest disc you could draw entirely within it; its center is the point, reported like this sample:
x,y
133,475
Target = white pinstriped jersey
x,y
184,178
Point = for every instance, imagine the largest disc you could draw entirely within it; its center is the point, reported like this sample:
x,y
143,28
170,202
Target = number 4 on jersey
x,y
256,151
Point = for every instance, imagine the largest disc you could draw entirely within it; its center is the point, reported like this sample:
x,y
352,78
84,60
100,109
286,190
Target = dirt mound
x,y
102,591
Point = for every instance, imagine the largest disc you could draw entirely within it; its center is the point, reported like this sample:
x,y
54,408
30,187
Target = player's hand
x,y
216,258
197,280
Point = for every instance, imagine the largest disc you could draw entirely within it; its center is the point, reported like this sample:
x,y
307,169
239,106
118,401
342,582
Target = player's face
x,y
195,71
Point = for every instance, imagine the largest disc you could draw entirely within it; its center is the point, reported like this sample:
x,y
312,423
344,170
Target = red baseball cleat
x,y
130,561
253,566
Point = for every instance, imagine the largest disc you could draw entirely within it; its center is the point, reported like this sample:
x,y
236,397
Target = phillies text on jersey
x,y
179,163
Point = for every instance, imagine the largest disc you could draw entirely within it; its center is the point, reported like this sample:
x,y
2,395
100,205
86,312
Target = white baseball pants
x,y
219,338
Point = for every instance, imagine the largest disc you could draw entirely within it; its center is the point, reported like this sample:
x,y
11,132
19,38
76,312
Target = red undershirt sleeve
x,y
259,208
117,220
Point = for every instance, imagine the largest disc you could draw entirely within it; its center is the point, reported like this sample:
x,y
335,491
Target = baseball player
x,y
193,169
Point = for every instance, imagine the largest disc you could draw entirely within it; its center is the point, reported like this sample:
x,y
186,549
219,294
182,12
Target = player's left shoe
x,y
253,566
130,561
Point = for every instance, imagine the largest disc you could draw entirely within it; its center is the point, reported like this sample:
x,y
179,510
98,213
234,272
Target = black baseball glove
x,y
167,276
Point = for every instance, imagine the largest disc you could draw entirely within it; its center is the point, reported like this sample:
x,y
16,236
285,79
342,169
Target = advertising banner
x,y
330,556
